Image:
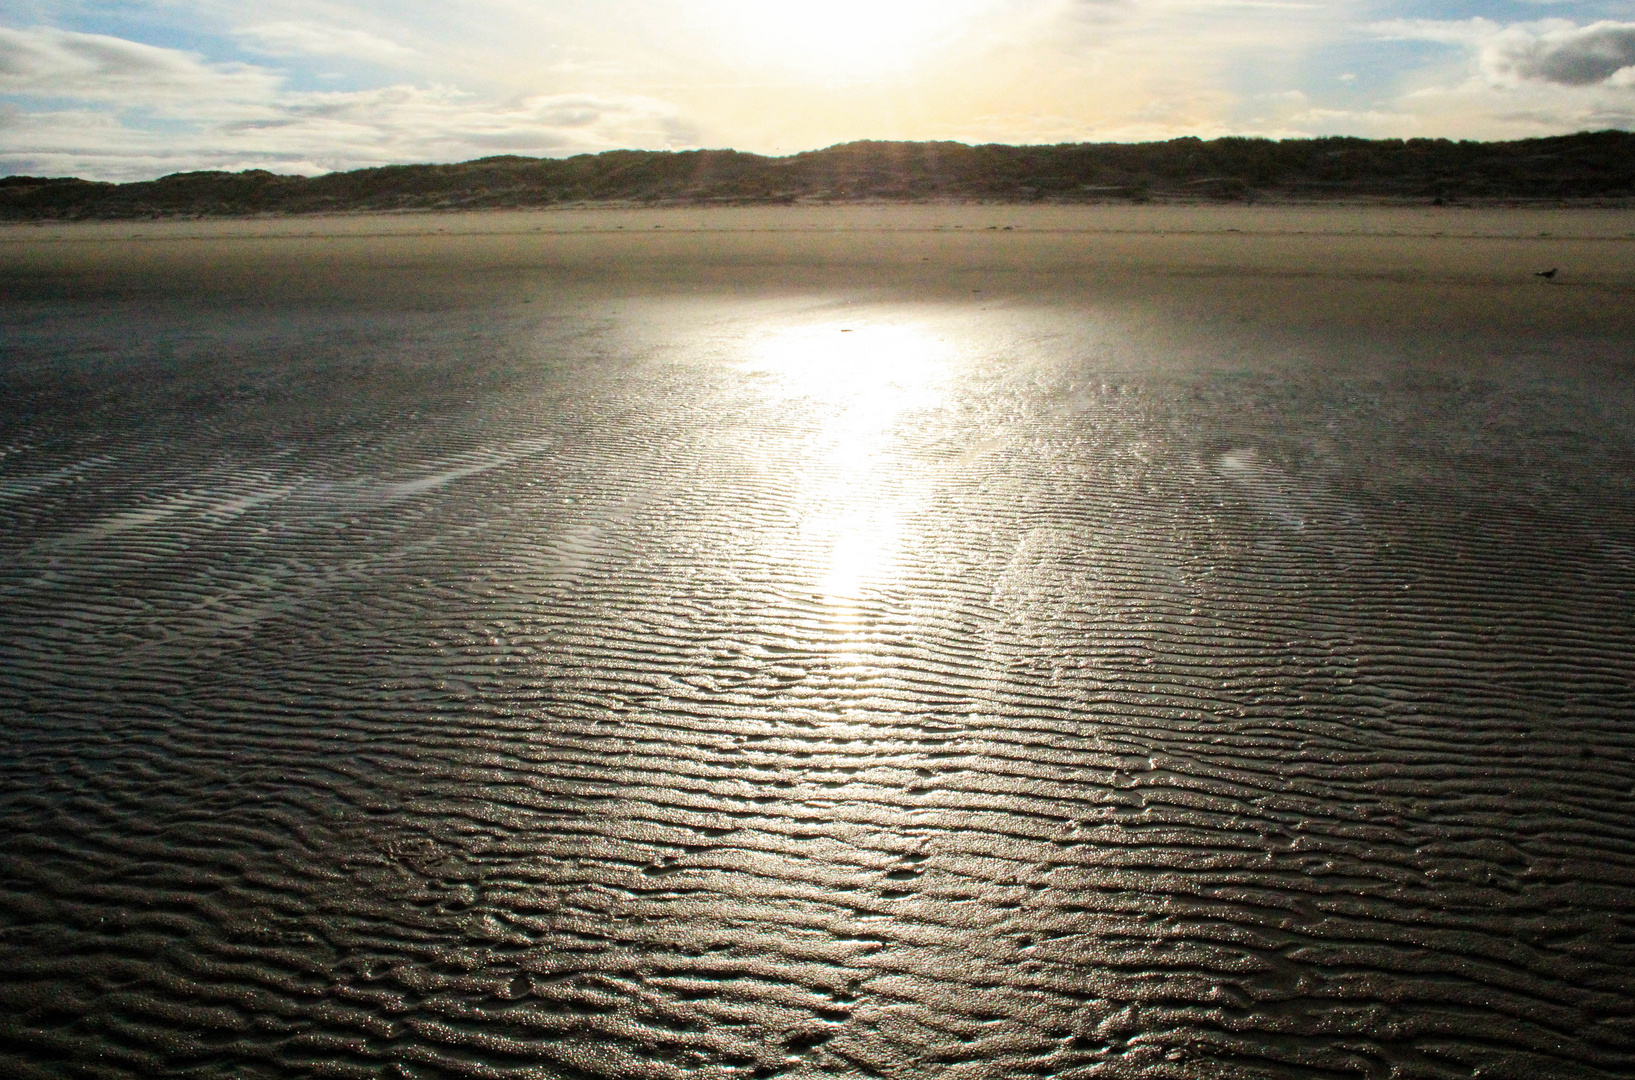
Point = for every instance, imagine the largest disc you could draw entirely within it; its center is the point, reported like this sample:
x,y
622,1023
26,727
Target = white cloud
x,y
314,39
1524,79
562,76
144,111
1548,51
1564,54
58,63
1451,32
95,145
406,123
317,132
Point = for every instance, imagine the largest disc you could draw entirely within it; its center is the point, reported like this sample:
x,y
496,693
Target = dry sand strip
x,y
1334,265
1296,220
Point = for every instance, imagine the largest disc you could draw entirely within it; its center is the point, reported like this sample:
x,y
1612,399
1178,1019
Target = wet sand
x,y
834,642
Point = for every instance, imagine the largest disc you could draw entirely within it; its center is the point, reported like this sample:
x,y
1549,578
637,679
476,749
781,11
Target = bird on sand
x,y
1548,275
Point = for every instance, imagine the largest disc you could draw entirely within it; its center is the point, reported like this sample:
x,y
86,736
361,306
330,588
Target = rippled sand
x,y
836,642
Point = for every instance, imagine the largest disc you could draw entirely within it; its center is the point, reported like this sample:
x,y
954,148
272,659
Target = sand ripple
x,y
487,693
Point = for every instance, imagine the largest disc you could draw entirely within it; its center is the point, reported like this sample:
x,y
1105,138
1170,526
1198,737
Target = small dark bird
x,y
1548,275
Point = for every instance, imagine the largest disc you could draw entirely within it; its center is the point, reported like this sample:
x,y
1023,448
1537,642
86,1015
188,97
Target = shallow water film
x,y
733,682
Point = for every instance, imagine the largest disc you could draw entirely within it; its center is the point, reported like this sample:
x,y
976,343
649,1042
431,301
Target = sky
x,y
133,89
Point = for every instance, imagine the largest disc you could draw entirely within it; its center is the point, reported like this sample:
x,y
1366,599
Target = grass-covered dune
x,y
1590,165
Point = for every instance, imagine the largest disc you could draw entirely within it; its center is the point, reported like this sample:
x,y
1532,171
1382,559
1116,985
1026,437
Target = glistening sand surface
x,y
819,643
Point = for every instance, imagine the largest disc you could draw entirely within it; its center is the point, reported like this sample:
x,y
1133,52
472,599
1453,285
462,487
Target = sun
x,y
837,39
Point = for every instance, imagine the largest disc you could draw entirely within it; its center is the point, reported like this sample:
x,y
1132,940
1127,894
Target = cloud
x,y
1097,12
106,108
407,123
311,39
1553,51
478,77
1528,110
96,145
1566,55
88,67
1524,79
312,132
1472,32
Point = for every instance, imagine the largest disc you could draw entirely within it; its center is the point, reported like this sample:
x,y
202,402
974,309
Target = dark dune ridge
x,y
439,656
1590,165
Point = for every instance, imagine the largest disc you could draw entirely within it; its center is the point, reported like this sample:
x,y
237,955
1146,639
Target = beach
x,y
1364,266
874,640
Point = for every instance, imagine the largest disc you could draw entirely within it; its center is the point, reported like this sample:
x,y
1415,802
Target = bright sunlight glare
x,y
839,39
857,382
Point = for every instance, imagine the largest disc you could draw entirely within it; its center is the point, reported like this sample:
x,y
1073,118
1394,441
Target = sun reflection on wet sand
x,y
875,371
858,382
699,684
